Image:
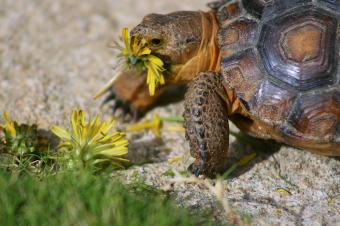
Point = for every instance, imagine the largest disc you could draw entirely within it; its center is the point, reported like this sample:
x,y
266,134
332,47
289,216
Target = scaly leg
x,y
131,94
206,123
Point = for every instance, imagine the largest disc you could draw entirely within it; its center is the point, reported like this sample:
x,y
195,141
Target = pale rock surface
x,y
54,56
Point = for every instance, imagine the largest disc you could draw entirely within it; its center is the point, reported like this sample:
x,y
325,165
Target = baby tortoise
x,y
270,66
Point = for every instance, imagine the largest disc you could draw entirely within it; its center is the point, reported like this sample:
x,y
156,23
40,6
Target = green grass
x,y
83,199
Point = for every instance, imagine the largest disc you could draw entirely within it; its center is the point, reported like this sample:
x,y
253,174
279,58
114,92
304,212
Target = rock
x,y
54,57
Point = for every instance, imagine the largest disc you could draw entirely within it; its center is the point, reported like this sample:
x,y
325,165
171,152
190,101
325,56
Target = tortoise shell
x,y
282,60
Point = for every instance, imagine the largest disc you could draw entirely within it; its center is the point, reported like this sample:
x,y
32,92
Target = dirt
x,y
55,55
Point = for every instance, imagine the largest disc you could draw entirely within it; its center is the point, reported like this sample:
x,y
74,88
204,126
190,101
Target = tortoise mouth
x,y
174,69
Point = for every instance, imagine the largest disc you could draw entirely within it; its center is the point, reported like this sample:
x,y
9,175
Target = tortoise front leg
x,y
131,93
206,123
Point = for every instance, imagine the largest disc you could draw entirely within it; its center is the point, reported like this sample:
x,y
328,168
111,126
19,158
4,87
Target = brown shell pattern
x,y
282,60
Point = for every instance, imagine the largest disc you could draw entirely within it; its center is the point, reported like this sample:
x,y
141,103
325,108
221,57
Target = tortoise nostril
x,y
190,40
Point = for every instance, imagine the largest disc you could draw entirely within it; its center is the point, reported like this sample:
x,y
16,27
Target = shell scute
x,y
317,115
285,68
331,4
240,34
299,48
255,7
273,103
228,12
243,74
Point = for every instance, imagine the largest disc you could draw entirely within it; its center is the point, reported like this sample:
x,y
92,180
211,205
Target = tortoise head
x,y
179,39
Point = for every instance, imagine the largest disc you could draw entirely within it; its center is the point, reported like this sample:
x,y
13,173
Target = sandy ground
x,y
54,56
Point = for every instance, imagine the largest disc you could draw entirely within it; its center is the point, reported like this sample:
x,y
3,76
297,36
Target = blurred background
x,y
55,55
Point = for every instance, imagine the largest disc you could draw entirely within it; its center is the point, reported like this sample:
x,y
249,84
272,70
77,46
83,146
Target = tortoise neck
x,y
207,57
209,51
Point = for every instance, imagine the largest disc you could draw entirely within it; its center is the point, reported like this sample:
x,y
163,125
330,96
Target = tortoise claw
x,y
117,105
111,96
126,109
202,168
196,169
122,108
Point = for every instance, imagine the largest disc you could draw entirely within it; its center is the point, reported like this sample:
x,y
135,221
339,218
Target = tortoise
x,y
270,66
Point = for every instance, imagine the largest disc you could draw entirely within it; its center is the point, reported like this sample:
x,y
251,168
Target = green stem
x,y
179,119
230,171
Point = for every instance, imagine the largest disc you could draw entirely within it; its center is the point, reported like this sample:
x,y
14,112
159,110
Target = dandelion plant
x,y
20,139
90,144
136,54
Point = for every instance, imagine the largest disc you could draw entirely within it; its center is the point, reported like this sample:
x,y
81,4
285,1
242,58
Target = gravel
x,y
54,56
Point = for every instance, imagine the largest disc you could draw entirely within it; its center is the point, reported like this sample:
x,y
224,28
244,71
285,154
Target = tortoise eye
x,y
156,42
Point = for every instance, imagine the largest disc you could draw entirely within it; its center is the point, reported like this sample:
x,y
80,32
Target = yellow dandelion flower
x,y
154,125
246,159
137,54
10,127
174,159
242,162
155,73
133,46
91,143
283,191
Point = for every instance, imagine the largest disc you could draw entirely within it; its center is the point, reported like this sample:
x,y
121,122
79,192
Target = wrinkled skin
x,y
177,39
166,39
187,43
171,37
